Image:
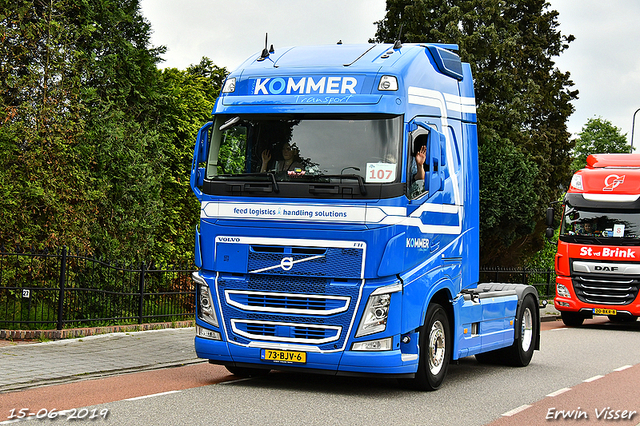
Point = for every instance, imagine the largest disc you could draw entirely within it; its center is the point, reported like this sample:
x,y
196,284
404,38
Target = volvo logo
x,y
286,263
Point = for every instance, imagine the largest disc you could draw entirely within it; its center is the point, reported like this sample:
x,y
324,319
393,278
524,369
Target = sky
x,y
604,60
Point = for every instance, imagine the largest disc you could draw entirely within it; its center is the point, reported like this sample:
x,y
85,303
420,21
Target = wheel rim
x,y
526,336
437,347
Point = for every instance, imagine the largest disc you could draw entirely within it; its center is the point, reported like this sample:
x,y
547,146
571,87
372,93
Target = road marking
x,y
559,329
151,396
592,379
559,391
234,381
516,410
624,367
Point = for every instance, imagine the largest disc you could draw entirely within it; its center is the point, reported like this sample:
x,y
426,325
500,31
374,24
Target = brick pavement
x,y
30,365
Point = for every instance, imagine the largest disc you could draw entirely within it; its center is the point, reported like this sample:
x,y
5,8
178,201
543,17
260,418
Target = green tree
x,y
187,99
598,136
96,141
42,180
523,102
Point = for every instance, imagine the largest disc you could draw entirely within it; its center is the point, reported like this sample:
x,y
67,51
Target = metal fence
x,y
60,289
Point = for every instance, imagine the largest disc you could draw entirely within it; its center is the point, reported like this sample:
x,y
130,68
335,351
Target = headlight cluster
x,y
376,313
206,311
563,291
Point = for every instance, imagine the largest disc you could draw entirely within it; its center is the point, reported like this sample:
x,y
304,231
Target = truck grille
x,y
286,332
275,293
287,303
606,290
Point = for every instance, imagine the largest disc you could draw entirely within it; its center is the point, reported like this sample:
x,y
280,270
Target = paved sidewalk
x,y
25,366
62,361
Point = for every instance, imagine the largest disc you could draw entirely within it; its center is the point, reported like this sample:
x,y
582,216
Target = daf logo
x,y
286,263
605,268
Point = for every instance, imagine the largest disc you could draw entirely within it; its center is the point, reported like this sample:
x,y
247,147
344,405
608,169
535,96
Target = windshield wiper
x,y
271,175
363,189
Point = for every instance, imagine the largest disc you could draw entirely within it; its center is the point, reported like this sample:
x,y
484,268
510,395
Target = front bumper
x,y
389,363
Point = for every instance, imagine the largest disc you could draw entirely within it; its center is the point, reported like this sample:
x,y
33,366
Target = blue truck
x,y
339,223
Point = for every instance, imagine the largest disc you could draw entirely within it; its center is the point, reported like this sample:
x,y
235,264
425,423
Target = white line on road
x,y
594,378
515,410
624,367
559,391
151,396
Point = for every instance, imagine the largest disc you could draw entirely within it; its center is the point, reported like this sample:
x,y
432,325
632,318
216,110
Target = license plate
x,y
601,311
287,357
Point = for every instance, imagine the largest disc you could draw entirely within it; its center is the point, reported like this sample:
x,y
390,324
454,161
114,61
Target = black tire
x,y
572,319
622,318
519,354
435,351
246,372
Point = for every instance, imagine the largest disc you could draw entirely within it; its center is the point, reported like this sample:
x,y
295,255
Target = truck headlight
x,y
388,83
206,311
373,345
562,291
376,313
229,85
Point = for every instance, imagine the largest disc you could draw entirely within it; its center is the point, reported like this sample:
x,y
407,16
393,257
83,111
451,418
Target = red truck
x,y
598,260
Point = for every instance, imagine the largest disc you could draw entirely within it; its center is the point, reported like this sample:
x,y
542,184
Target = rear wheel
x,y
572,319
519,354
435,350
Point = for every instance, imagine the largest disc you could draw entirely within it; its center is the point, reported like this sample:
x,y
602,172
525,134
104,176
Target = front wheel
x,y
622,318
435,350
572,319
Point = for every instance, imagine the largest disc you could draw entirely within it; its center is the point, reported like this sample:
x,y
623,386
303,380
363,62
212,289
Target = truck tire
x,y
519,354
435,351
572,319
622,318
246,371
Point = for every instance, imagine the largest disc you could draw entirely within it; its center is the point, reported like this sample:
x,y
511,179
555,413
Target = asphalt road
x,y
583,369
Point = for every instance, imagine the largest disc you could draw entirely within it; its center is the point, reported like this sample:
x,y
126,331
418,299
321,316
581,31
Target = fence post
x,y
63,278
141,296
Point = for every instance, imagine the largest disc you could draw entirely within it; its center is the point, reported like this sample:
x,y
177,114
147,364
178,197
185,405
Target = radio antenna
x,y
398,43
265,53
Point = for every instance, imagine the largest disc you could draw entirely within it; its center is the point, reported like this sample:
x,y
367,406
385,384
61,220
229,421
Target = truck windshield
x,y
306,148
609,227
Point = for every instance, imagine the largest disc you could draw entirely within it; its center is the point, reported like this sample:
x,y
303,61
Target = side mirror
x,y
549,233
199,152
437,160
550,215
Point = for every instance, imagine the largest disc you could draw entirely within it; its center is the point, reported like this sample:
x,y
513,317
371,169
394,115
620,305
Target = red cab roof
x,y
613,160
609,174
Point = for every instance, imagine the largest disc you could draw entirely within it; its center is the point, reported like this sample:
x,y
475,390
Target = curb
x,y
549,318
21,386
71,333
